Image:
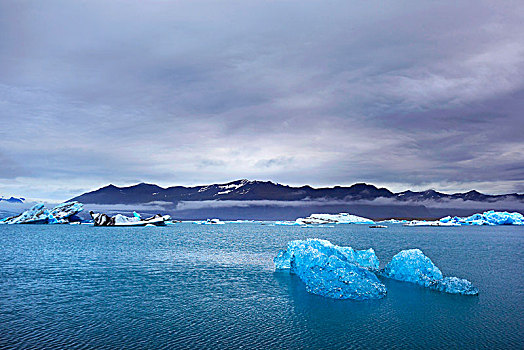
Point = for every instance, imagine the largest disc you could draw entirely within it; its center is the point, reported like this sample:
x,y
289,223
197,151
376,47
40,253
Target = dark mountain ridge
x,y
266,190
266,200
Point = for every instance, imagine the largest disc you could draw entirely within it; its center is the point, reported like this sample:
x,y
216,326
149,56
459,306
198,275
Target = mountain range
x,y
267,190
245,199
12,200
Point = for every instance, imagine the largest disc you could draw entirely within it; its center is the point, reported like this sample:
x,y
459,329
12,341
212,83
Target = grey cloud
x,y
458,203
404,93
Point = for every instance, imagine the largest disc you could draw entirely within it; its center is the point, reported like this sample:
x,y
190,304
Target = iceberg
x,y
431,223
332,271
210,222
100,219
364,258
38,214
342,218
286,223
413,266
67,211
393,221
487,218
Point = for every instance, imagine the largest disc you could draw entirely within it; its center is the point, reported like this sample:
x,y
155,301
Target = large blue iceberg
x,y
487,218
413,266
39,214
364,258
332,271
344,273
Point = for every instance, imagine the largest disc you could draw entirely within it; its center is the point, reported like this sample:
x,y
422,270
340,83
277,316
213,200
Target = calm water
x,y
193,286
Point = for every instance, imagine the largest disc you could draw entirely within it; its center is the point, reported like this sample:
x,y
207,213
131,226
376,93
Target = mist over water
x,y
195,286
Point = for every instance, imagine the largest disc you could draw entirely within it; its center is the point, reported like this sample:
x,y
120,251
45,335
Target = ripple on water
x,y
191,286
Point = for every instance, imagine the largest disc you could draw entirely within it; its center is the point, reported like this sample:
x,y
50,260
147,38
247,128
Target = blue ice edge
x,y
344,273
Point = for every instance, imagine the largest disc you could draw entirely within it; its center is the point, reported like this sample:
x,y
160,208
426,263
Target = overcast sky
x,y
403,94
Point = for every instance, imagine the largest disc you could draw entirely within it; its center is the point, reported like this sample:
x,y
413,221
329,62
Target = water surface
x,y
198,286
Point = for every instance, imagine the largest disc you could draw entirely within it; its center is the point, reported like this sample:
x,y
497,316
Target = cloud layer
x,y
403,94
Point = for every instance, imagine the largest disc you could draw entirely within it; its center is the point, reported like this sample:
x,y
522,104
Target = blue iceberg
x,y
364,258
413,266
332,271
487,218
38,214
67,211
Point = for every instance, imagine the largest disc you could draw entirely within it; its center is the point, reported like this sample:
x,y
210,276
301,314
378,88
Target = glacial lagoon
x,y
214,286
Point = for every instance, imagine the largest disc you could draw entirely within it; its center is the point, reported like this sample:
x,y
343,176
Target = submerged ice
x,y
413,266
332,271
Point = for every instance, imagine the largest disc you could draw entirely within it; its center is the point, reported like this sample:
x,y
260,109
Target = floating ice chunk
x,y
100,219
332,277
431,223
326,270
393,221
455,285
364,258
210,222
413,266
286,223
342,218
38,214
65,211
487,218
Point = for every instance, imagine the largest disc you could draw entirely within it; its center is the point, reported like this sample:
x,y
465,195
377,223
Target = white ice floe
x,y
210,222
342,218
430,223
393,221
